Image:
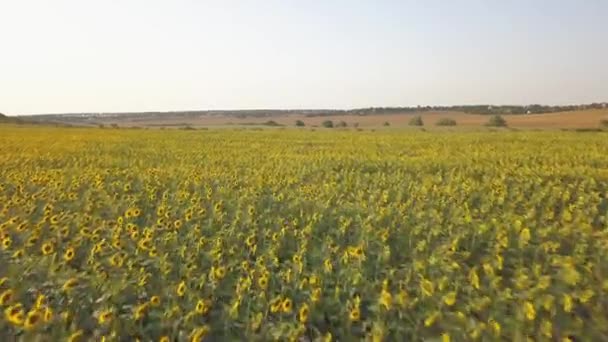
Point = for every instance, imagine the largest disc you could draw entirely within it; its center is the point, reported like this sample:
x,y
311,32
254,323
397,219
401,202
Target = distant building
x,y
604,105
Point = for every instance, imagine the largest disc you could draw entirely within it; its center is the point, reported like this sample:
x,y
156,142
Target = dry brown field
x,y
567,120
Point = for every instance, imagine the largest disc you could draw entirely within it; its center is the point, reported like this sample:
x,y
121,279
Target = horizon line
x,y
308,109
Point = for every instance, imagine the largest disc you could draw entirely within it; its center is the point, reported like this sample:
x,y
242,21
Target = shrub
x,y
416,121
497,121
386,123
328,124
342,124
300,123
604,123
446,122
272,123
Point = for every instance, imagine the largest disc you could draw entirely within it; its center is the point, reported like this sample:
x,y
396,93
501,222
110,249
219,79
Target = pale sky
x,y
102,55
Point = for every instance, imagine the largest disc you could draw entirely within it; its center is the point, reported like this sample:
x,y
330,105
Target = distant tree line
x,y
270,113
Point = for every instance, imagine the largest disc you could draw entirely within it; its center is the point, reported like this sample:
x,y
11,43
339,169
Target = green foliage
x,y
300,123
386,123
497,121
416,121
328,124
272,123
446,122
604,123
342,124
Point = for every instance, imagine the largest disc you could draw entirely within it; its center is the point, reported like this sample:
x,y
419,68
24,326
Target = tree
x,y
300,123
272,123
342,124
497,121
328,124
386,123
446,122
416,121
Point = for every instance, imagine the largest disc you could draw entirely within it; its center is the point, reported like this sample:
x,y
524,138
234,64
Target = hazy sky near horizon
x,y
138,55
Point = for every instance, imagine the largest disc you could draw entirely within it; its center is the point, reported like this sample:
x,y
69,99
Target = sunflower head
x,y
303,313
47,248
70,284
6,297
355,314
181,289
32,320
286,306
105,317
155,300
69,254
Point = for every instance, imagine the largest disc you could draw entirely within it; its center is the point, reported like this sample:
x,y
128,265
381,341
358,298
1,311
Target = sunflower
x,y
21,227
76,336
155,301
18,253
47,248
568,303
70,284
6,297
385,299
54,219
315,296
286,306
105,317
116,260
153,252
263,282
450,298
275,305
68,255
199,334
14,314
164,339
48,314
202,307
140,311
116,243
41,301
220,272
177,224
64,232
7,242
427,287
355,314
33,318
33,240
529,311
303,313
250,241
181,289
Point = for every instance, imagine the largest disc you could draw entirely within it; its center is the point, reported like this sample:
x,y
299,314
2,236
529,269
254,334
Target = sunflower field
x,y
168,235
